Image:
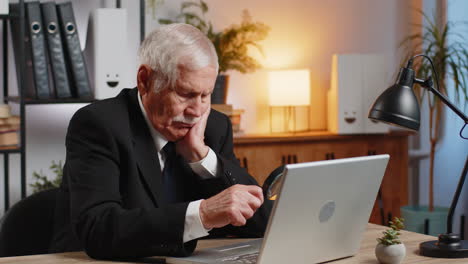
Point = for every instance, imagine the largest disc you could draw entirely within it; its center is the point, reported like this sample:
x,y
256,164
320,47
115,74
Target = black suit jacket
x,y
110,200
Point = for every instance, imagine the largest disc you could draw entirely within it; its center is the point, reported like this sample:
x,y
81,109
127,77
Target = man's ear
x,y
144,79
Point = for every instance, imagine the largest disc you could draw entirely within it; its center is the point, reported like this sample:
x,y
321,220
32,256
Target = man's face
x,y
174,111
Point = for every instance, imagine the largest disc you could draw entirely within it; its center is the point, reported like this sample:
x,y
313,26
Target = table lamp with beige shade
x,y
289,100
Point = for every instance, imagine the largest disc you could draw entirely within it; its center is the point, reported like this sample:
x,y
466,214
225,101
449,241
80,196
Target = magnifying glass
x,y
272,184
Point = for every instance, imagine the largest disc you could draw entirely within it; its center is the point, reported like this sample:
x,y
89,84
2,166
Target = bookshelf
x,y
19,99
9,149
28,101
6,151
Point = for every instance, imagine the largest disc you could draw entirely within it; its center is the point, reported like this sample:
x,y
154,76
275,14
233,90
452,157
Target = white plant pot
x,y
392,254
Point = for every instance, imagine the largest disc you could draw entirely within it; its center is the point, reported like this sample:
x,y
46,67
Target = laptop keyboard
x,y
242,259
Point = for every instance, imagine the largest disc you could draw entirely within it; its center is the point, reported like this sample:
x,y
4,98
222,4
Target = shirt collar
x,y
159,140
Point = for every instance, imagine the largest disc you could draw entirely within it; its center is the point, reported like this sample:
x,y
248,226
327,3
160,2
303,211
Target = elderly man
x,y
152,170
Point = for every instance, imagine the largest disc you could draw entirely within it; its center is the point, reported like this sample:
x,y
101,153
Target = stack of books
x,y
9,127
223,108
233,114
9,131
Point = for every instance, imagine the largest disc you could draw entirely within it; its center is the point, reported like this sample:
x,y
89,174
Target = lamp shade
x,y
289,88
398,104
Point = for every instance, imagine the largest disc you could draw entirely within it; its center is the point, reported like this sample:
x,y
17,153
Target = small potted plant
x,y
43,183
390,249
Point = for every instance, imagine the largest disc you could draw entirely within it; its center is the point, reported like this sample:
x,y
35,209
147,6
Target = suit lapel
x,y
145,151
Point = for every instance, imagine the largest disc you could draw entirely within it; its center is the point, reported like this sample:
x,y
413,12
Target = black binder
x,y
55,48
38,49
28,82
73,54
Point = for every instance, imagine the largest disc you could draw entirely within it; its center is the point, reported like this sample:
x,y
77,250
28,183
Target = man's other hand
x,y
234,206
192,147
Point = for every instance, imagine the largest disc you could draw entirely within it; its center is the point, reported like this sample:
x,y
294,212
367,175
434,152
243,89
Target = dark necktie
x,y
170,182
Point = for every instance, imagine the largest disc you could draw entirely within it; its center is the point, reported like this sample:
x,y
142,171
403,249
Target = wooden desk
x,y
365,255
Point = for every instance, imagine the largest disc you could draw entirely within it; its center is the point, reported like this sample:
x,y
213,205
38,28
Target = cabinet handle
x,y
371,152
332,155
289,159
246,165
381,206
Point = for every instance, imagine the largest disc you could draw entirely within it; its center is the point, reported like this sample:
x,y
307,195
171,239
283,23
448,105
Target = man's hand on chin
x,y
192,147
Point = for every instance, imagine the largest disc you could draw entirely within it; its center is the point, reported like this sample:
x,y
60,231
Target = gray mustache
x,y
186,120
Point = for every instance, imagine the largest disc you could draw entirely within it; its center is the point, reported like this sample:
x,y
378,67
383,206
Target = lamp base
x,y
448,246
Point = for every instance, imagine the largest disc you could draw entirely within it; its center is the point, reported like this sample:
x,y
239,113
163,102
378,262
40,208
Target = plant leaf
x,y
163,21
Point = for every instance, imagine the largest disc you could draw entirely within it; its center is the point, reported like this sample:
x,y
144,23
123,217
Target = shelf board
x,y
10,149
16,99
7,16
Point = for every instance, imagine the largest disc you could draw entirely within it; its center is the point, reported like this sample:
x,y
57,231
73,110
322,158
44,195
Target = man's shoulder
x,y
217,128
217,119
120,100
108,109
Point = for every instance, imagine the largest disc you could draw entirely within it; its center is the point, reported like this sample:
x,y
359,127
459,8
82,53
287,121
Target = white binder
x,y
106,50
356,81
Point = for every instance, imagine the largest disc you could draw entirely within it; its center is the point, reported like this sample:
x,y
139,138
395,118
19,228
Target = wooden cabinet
x,y
260,154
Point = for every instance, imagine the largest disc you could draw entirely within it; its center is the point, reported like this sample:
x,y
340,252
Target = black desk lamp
x,y
399,106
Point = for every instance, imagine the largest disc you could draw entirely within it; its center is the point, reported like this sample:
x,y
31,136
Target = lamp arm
x,y
448,245
445,100
428,85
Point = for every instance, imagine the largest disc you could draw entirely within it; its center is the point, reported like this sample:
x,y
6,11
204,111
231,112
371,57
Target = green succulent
x,y
391,236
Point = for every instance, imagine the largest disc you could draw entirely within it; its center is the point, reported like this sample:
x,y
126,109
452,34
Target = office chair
x,y
26,229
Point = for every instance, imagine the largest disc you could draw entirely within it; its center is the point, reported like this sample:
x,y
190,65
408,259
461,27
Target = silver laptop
x,y
320,214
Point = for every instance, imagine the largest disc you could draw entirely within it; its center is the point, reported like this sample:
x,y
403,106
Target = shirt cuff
x,y
207,167
193,227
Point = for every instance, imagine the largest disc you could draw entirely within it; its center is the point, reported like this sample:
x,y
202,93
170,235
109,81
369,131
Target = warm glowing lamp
x,y
287,90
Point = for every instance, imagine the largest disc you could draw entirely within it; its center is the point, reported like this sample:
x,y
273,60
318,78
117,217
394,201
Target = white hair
x,y
169,46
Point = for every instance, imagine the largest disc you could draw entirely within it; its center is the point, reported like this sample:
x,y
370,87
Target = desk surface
x,y
365,255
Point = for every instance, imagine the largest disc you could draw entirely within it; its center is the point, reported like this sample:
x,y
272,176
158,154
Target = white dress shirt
x,y
205,168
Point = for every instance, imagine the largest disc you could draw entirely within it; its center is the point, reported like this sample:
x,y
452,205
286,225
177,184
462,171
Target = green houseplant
x,y
43,183
152,5
231,44
451,62
389,248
